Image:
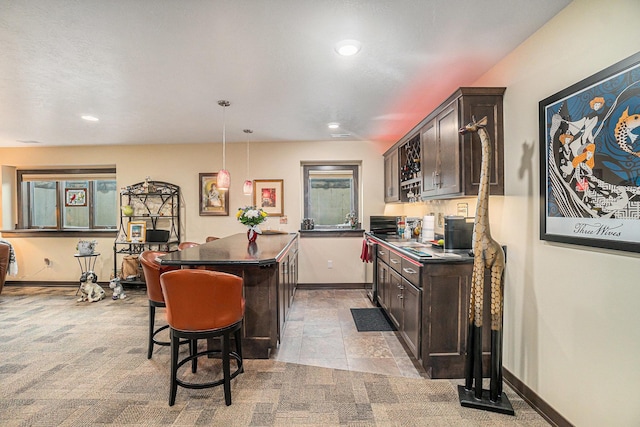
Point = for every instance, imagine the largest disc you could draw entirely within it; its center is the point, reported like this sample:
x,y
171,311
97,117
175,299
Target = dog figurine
x,y
118,290
89,288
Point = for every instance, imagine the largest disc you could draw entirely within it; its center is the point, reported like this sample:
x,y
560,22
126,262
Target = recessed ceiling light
x,y
348,47
90,118
333,125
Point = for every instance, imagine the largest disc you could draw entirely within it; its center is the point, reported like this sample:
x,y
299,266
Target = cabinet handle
x,y
409,270
395,261
381,253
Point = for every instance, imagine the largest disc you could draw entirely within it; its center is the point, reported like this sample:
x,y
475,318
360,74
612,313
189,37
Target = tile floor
x,y
320,331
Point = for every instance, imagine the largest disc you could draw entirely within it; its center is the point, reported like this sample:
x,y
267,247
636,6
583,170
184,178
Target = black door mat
x,y
371,320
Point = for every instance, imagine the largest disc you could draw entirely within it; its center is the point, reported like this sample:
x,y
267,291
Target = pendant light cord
x,y
224,137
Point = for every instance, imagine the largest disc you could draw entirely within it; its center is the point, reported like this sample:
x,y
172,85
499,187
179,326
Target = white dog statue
x,y
118,290
89,288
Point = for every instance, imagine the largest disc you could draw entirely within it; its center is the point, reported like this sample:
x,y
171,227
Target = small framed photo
x,y
137,231
75,197
268,194
213,201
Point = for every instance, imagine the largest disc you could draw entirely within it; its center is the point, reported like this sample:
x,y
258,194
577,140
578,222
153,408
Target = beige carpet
x,y
65,363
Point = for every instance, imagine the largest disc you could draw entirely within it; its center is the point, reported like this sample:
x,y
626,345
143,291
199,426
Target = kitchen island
x,y
269,270
425,292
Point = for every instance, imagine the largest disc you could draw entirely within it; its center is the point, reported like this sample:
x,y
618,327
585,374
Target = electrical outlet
x,y
47,262
329,264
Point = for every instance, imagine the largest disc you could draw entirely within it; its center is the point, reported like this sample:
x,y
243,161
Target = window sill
x,y
59,233
332,232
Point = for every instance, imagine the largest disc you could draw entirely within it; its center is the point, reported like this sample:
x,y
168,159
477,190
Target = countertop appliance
x,y
383,225
458,232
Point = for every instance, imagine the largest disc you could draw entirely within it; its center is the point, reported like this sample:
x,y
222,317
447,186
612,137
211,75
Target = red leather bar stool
x,y
185,245
204,304
152,271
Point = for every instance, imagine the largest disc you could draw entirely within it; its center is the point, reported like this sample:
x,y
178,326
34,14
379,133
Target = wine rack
x,y
410,171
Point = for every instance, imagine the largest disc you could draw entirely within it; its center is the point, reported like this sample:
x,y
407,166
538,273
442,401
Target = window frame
x,y
353,167
82,174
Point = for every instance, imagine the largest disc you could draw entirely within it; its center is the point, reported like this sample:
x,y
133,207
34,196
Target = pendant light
x,y
247,188
223,178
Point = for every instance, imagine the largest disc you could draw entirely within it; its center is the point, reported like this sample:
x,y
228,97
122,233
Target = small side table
x,y
87,263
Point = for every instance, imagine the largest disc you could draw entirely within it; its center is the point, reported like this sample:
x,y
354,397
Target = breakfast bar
x,y
269,270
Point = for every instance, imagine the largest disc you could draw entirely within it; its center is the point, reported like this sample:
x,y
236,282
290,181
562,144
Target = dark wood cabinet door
x,y
429,159
412,319
489,106
383,285
395,298
448,170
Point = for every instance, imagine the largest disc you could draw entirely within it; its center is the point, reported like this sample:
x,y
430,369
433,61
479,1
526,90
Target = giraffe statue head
x,y
474,126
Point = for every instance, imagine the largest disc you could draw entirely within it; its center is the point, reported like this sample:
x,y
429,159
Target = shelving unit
x,y
410,170
157,204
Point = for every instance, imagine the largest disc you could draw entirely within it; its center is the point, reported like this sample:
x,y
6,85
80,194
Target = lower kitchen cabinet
x,y
445,310
401,300
411,317
428,302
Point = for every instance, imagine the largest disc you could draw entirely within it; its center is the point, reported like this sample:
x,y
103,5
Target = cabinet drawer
x,y
395,261
383,254
412,272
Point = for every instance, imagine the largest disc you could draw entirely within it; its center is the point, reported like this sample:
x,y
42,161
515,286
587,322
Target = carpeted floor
x,y
65,363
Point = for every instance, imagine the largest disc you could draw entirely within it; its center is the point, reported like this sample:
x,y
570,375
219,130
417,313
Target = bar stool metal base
x,y
225,353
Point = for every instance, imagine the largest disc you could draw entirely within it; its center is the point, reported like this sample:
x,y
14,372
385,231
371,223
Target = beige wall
x,y
181,164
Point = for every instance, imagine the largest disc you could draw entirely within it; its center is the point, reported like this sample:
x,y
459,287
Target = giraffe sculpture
x,y
487,254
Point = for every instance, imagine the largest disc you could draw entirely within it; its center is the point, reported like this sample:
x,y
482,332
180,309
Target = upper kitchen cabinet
x,y
450,161
391,176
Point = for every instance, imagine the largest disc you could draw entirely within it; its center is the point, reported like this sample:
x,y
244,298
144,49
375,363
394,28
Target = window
x,y
78,199
330,193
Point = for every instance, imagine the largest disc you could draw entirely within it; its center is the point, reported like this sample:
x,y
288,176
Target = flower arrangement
x,y
251,216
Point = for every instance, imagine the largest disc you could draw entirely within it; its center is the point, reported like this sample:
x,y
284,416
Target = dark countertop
x,y
422,252
233,250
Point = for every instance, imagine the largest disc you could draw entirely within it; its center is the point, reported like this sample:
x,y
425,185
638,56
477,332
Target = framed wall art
x,y
590,160
75,197
268,194
136,231
213,201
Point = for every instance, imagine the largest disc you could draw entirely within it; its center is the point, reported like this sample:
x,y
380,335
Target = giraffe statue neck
x,y
482,208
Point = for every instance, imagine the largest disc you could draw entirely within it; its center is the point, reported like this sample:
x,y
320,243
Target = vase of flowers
x,y
252,217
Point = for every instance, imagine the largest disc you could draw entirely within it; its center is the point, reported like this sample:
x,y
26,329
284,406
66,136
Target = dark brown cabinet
x,y
445,308
429,304
399,297
288,272
451,162
411,321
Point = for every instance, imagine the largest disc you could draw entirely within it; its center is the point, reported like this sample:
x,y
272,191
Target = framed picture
x,y
268,194
136,231
75,197
213,201
590,160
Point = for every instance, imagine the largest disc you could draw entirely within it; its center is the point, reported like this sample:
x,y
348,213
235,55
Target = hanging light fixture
x,y
223,178
247,188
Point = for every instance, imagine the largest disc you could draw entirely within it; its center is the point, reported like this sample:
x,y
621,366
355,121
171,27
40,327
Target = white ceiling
x,y
152,71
